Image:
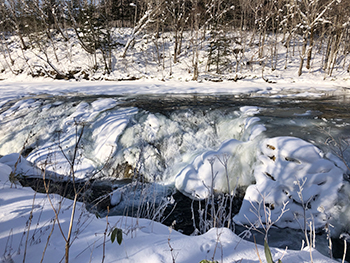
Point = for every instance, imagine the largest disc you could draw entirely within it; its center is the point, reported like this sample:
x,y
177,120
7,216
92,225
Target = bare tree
x,y
288,28
311,13
14,18
148,17
337,33
179,16
195,38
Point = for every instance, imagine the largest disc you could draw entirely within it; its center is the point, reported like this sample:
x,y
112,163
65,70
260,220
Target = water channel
x,y
137,147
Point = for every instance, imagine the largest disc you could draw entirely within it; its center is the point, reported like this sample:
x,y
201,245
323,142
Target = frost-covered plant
x,y
7,255
72,157
308,222
327,229
262,211
214,213
172,250
345,237
224,162
264,223
339,146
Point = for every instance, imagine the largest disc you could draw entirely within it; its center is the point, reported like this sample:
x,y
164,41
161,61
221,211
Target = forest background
x,y
220,38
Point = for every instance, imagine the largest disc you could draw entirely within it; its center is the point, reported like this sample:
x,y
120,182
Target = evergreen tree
x,y
219,51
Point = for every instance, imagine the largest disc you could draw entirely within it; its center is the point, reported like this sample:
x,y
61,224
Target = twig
x,y
28,230
48,239
257,251
104,236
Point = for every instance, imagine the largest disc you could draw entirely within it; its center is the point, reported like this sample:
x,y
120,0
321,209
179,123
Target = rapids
x,y
277,147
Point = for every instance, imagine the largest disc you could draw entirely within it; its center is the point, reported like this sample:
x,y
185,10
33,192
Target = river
x,y
148,146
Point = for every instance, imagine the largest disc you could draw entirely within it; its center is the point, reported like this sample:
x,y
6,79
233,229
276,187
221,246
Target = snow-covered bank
x,y
309,85
28,228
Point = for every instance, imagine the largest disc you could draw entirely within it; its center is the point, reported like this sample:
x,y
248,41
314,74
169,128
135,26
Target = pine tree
x,y
218,51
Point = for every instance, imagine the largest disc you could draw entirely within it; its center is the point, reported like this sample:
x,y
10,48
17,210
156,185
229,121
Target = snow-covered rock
x,y
294,172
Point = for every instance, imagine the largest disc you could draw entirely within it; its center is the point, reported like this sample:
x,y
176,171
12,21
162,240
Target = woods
x,y
220,36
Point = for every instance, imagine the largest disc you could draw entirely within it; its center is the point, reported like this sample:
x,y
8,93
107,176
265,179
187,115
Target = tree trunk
x,y
143,22
176,46
328,51
195,40
309,51
300,71
337,41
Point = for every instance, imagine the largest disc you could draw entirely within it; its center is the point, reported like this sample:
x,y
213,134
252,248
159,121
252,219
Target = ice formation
x,y
288,171
176,148
219,170
294,172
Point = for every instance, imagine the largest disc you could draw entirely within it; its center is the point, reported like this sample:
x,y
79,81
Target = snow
x,y
107,132
305,87
281,166
295,172
197,178
323,180
22,165
28,224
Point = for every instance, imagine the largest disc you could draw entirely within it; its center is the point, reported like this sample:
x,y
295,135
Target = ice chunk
x,y
5,171
116,197
107,131
20,165
198,177
249,110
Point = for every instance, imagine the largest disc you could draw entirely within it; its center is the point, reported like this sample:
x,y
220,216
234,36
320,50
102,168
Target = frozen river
x,y
269,144
158,134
